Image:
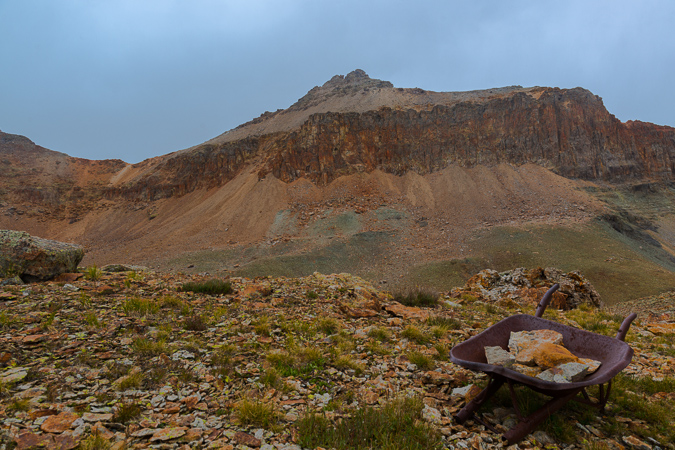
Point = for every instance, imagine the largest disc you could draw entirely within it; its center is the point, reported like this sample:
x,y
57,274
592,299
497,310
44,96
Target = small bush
x,y
95,442
93,273
211,287
148,347
171,302
256,413
421,360
92,320
125,412
417,297
271,378
412,333
382,334
133,380
345,362
139,307
328,326
262,326
448,322
442,352
195,323
312,295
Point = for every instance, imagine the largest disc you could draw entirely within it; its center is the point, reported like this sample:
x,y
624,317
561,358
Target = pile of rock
x,y
540,354
529,285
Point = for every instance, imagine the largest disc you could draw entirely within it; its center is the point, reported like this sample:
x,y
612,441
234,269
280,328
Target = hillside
x,y
400,186
142,362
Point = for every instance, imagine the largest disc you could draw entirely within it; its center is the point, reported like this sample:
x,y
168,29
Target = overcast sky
x,y
132,79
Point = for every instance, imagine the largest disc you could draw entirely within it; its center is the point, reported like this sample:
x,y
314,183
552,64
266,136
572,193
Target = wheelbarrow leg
x,y
494,383
529,423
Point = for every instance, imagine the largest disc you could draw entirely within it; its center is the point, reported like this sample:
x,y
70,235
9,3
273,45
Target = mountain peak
x,y
341,85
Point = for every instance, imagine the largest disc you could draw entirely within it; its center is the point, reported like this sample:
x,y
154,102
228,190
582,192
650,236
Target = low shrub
x,y
417,297
211,287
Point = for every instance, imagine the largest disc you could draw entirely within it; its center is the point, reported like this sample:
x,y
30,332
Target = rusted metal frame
x,y
526,425
476,417
514,400
603,397
466,413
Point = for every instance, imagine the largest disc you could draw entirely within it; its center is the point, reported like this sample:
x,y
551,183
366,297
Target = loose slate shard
x,y
36,259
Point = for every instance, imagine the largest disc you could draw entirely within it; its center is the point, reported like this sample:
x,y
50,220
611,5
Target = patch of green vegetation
x,y
346,362
133,380
424,298
150,347
93,273
382,334
211,287
297,361
412,333
95,442
137,306
356,254
256,413
92,320
421,360
7,320
396,425
125,412
449,323
262,326
629,400
328,325
442,352
195,322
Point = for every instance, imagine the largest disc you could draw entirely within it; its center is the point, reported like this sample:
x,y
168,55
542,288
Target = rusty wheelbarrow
x,y
614,354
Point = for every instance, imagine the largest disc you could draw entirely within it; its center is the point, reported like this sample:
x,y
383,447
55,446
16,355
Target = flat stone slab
x,y
497,356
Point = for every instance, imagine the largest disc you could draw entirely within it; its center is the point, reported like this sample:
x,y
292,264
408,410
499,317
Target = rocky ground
x,y
132,360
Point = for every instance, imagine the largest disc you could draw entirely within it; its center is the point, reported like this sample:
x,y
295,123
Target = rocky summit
x,y
139,359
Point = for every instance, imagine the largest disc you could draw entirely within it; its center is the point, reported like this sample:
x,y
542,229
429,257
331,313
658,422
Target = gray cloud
x,y
131,80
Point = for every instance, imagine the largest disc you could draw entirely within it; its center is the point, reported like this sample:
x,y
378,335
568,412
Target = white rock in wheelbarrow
x,y
565,373
497,356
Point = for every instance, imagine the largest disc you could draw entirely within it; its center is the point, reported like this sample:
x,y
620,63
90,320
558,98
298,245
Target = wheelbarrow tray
x,y
614,354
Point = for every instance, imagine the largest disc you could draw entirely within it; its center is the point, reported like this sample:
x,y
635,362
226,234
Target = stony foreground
x,y
128,360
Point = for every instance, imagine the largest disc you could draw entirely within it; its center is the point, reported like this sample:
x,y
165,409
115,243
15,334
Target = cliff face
x,y
355,124
568,131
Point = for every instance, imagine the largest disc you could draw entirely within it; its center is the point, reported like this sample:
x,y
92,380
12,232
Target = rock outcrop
x,y
35,259
529,286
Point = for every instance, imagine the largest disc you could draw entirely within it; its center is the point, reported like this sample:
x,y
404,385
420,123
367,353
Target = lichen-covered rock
x,y
529,286
550,355
35,259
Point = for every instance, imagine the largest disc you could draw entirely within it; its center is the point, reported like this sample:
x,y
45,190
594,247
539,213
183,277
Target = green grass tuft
x,y
417,297
397,425
211,287
256,413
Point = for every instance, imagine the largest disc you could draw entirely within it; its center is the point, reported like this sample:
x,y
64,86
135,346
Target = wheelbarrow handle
x,y
545,300
625,325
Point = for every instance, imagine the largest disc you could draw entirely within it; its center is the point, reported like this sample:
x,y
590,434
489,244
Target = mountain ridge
x,y
407,192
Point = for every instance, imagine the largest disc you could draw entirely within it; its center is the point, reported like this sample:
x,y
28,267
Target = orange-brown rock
x,y
59,423
550,355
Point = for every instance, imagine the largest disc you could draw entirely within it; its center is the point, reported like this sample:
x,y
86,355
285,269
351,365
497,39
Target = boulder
x,y
35,259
